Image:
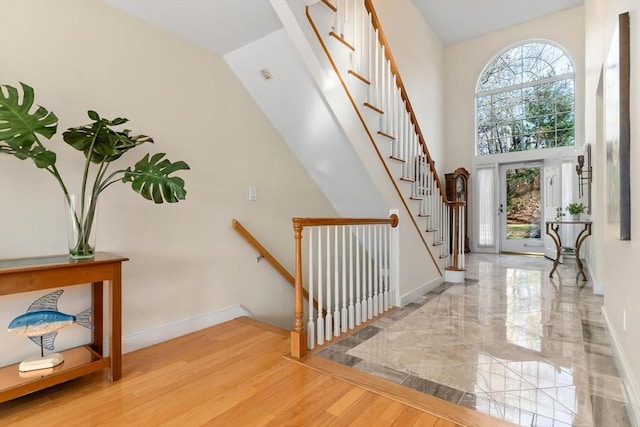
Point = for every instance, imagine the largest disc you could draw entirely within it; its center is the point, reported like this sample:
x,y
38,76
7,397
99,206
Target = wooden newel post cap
x,y
394,220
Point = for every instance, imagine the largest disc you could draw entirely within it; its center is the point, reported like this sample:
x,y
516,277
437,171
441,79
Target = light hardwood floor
x,y
232,374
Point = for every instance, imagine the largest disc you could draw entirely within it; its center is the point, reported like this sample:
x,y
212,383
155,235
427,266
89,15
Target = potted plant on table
x,y
20,127
575,209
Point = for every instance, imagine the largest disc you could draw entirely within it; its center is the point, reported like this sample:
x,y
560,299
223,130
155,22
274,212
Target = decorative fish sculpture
x,y
43,319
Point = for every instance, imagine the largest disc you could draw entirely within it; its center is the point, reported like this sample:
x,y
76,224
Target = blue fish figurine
x,y
43,319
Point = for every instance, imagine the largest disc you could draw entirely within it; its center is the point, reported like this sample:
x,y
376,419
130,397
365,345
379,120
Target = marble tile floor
x,y
509,342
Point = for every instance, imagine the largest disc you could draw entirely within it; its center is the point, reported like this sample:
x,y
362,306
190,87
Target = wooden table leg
x,y
553,232
115,331
97,301
586,232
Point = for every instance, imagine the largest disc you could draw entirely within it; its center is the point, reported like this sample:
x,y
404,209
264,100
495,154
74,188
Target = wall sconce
x,y
585,175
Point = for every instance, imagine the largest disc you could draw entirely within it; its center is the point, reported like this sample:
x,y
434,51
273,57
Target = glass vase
x,y
81,226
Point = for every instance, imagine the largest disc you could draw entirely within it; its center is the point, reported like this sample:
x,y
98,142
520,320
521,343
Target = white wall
x,y
186,261
615,261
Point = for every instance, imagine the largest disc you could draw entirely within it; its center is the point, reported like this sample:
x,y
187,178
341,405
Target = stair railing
x,y
350,270
355,25
264,253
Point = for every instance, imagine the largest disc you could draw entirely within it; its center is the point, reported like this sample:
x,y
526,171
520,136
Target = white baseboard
x,y
162,333
420,290
630,386
598,287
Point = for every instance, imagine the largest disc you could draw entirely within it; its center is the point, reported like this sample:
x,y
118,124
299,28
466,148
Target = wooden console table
x,y
32,274
552,230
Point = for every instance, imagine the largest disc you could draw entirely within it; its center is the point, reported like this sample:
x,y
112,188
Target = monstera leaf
x,y
151,179
19,126
99,142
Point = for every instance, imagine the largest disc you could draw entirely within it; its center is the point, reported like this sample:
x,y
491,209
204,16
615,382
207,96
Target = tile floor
x,y
510,342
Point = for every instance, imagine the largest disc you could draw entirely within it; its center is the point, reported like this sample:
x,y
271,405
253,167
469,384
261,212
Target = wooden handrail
x,y
263,251
268,257
310,222
403,93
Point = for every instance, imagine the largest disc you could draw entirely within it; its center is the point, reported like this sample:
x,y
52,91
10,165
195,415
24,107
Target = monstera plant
x,y
22,125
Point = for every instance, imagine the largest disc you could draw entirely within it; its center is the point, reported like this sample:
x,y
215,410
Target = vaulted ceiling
x,y
225,25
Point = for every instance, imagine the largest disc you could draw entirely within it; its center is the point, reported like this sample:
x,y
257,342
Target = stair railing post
x,y
298,335
455,237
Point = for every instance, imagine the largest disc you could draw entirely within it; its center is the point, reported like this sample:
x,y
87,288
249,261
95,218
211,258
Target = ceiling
x,y
456,21
225,25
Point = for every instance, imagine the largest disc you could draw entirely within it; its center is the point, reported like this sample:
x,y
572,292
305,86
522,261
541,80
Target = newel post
x,y
455,237
298,335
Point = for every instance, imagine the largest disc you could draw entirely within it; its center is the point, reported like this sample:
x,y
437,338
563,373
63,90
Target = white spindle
x,y
344,315
380,271
389,98
374,43
362,42
374,261
336,285
320,322
396,103
358,281
354,23
369,278
340,17
369,60
310,324
462,237
382,92
386,267
328,331
352,318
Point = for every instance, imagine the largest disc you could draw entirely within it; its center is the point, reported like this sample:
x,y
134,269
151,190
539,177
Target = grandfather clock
x,y
457,188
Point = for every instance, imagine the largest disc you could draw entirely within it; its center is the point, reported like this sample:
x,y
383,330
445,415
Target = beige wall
x,y
615,261
185,258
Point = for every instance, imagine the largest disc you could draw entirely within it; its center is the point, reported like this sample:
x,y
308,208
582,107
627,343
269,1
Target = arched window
x,y
525,100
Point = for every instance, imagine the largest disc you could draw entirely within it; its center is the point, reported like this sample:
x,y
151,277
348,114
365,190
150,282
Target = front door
x,y
521,225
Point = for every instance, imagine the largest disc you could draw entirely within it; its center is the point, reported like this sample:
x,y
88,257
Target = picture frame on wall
x,y
618,130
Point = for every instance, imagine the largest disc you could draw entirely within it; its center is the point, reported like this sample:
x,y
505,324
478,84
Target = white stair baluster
x,y
380,270
310,324
374,262
328,328
320,322
385,257
351,308
344,315
336,285
370,277
358,307
365,276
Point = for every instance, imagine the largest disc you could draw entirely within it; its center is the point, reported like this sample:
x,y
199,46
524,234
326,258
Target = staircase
x,y
349,35
338,100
